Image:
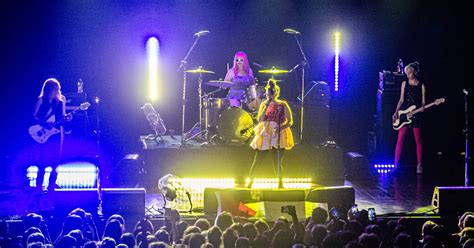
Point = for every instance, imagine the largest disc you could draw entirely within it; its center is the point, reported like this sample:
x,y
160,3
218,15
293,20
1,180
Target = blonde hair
x,y
49,85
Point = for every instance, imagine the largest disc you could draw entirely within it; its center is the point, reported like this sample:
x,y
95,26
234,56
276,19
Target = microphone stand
x,y
466,135
279,172
183,66
303,64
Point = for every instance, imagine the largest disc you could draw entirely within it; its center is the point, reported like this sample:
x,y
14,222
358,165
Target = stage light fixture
x,y
168,187
153,49
337,49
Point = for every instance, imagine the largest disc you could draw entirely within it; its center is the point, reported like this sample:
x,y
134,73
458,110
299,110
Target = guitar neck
x,y
419,109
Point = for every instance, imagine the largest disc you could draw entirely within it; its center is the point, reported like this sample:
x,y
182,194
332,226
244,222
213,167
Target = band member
x,y
272,132
412,93
50,108
241,75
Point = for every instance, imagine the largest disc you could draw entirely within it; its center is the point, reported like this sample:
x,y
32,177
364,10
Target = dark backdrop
x,y
103,42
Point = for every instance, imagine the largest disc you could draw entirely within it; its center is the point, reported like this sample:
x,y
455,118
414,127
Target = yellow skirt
x,y
266,136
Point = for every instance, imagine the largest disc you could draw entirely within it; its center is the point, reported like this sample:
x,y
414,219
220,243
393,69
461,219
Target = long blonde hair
x,y
48,86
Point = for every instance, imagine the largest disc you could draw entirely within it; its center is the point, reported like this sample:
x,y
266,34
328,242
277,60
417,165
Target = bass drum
x,y
235,126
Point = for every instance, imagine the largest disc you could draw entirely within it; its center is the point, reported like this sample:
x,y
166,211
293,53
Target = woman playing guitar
x,y
412,93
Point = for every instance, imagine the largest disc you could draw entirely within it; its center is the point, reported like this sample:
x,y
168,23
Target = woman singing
x,y
241,76
272,132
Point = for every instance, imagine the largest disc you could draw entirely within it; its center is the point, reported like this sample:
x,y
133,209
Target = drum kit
x,y
219,120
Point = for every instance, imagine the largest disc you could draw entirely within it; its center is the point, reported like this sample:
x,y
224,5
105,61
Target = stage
x,y
195,159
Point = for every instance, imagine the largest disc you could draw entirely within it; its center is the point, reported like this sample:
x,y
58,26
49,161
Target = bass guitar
x,y
404,117
41,134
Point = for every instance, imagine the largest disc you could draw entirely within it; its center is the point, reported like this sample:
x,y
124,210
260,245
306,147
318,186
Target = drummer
x,y
241,76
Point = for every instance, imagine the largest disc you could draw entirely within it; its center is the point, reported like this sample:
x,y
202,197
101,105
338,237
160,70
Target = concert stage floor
x,y
389,195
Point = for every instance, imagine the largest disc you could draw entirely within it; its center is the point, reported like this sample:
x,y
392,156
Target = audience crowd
x,y
321,230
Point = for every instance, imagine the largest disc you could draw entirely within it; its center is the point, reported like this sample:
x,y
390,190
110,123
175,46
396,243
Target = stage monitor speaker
x,y
286,195
340,197
453,200
128,202
66,200
233,200
128,173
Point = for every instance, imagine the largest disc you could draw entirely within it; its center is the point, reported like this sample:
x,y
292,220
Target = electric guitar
x,y
404,116
41,134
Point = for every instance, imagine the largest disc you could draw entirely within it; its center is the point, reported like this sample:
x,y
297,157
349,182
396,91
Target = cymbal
x,y
274,70
219,83
199,70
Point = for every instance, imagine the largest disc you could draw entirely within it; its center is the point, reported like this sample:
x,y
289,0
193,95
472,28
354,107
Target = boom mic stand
x,y
304,63
183,66
279,170
466,135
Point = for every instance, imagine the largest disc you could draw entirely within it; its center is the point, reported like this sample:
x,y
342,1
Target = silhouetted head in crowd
x,y
191,229
180,228
331,241
346,236
145,225
469,243
128,239
427,227
107,242
163,235
196,240
203,224
335,225
375,229
35,237
354,226
90,244
319,215
113,229
224,220
239,228
318,232
66,241
157,244
261,226
33,220
402,240
214,235
228,238
77,234
28,232
250,231
242,242
72,222
283,238
261,241
369,240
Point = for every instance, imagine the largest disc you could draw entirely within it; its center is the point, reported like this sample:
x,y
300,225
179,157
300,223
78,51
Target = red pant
x,y
401,140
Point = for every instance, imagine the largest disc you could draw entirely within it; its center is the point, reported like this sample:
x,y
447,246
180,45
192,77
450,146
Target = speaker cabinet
x,y
340,197
385,136
128,202
453,200
66,200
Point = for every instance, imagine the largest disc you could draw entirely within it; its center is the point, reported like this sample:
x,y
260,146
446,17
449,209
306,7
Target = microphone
x,y
257,64
202,32
465,92
291,31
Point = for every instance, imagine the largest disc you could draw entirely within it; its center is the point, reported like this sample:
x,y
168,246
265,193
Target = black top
x,y
413,96
47,109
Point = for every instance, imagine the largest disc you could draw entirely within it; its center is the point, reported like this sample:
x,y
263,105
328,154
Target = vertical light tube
x,y
337,36
153,50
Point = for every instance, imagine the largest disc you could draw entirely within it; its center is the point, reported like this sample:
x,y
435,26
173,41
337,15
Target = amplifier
x,y
390,81
74,100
